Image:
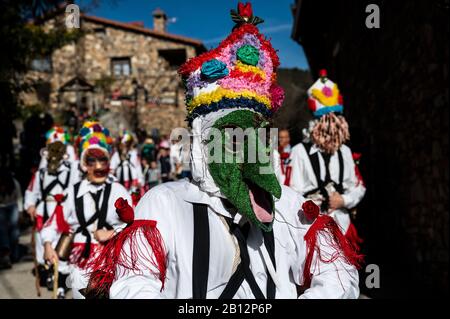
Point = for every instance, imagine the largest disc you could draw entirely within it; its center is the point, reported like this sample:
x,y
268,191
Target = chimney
x,y
159,20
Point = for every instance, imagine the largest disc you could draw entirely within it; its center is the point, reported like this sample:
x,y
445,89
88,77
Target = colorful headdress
x,y
56,134
126,137
324,96
94,135
239,73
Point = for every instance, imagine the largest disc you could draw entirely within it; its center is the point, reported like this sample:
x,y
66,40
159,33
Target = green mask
x,y
245,175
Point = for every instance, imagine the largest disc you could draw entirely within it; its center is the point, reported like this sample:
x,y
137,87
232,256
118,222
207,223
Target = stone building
x,y
394,80
125,68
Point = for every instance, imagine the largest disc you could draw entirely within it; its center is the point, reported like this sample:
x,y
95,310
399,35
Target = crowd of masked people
x,y
74,189
84,189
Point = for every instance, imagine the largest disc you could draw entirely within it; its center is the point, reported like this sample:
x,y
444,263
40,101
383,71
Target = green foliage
x,y
25,41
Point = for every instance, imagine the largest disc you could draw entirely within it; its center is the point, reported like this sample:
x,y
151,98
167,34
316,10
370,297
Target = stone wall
x,y
90,58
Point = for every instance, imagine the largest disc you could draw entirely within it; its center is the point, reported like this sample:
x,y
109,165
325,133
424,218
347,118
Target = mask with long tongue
x,y
238,76
247,181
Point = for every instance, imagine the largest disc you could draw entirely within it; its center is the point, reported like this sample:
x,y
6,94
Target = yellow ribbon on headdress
x,y
250,68
220,93
327,100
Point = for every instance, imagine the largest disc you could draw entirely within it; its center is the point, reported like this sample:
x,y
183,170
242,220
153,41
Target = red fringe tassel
x,y
353,237
326,226
104,268
76,255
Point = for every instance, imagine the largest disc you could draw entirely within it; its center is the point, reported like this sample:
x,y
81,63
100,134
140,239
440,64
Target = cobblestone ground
x,y
18,282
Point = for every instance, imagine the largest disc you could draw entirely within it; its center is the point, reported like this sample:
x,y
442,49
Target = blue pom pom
x,y
84,131
214,69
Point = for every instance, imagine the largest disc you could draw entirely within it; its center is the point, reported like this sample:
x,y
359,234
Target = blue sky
x,y
210,21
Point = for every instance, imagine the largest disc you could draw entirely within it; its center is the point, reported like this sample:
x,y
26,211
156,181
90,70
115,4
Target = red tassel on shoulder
x,y
104,268
327,227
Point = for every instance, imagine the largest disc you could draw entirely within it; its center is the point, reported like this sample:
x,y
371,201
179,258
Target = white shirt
x,y
170,205
33,192
49,232
134,164
304,180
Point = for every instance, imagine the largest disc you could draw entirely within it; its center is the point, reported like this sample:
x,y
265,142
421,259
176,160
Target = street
x,y
18,282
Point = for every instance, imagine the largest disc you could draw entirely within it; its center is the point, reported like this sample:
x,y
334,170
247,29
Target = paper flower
x,y
277,96
124,210
310,210
327,91
214,69
248,54
94,140
245,10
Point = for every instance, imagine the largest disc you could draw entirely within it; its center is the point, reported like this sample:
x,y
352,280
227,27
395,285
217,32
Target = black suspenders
x,y
45,191
314,160
201,259
100,214
200,263
122,170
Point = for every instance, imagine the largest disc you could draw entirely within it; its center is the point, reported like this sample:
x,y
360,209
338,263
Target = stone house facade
x,y
123,67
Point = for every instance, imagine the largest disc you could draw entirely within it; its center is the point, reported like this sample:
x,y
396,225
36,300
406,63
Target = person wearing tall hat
x,y
44,195
88,214
323,168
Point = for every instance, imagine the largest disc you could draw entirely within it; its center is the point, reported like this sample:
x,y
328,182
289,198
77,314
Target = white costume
x,y
304,180
170,205
77,278
189,239
129,171
46,185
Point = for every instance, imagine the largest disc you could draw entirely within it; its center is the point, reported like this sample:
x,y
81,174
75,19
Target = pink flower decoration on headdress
x,y
94,140
327,91
277,96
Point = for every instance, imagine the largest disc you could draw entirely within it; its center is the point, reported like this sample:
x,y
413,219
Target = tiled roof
x,y
136,28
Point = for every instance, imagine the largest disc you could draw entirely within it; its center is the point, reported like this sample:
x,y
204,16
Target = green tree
x,y
24,39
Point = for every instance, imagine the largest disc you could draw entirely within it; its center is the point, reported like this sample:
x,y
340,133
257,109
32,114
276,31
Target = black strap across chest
x,y
321,184
45,191
121,172
201,255
100,214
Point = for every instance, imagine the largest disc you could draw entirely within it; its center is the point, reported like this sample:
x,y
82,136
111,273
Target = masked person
x,y
89,214
125,163
233,231
69,155
323,169
46,191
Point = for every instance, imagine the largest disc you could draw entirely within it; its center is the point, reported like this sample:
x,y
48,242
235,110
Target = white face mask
x,y
201,127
